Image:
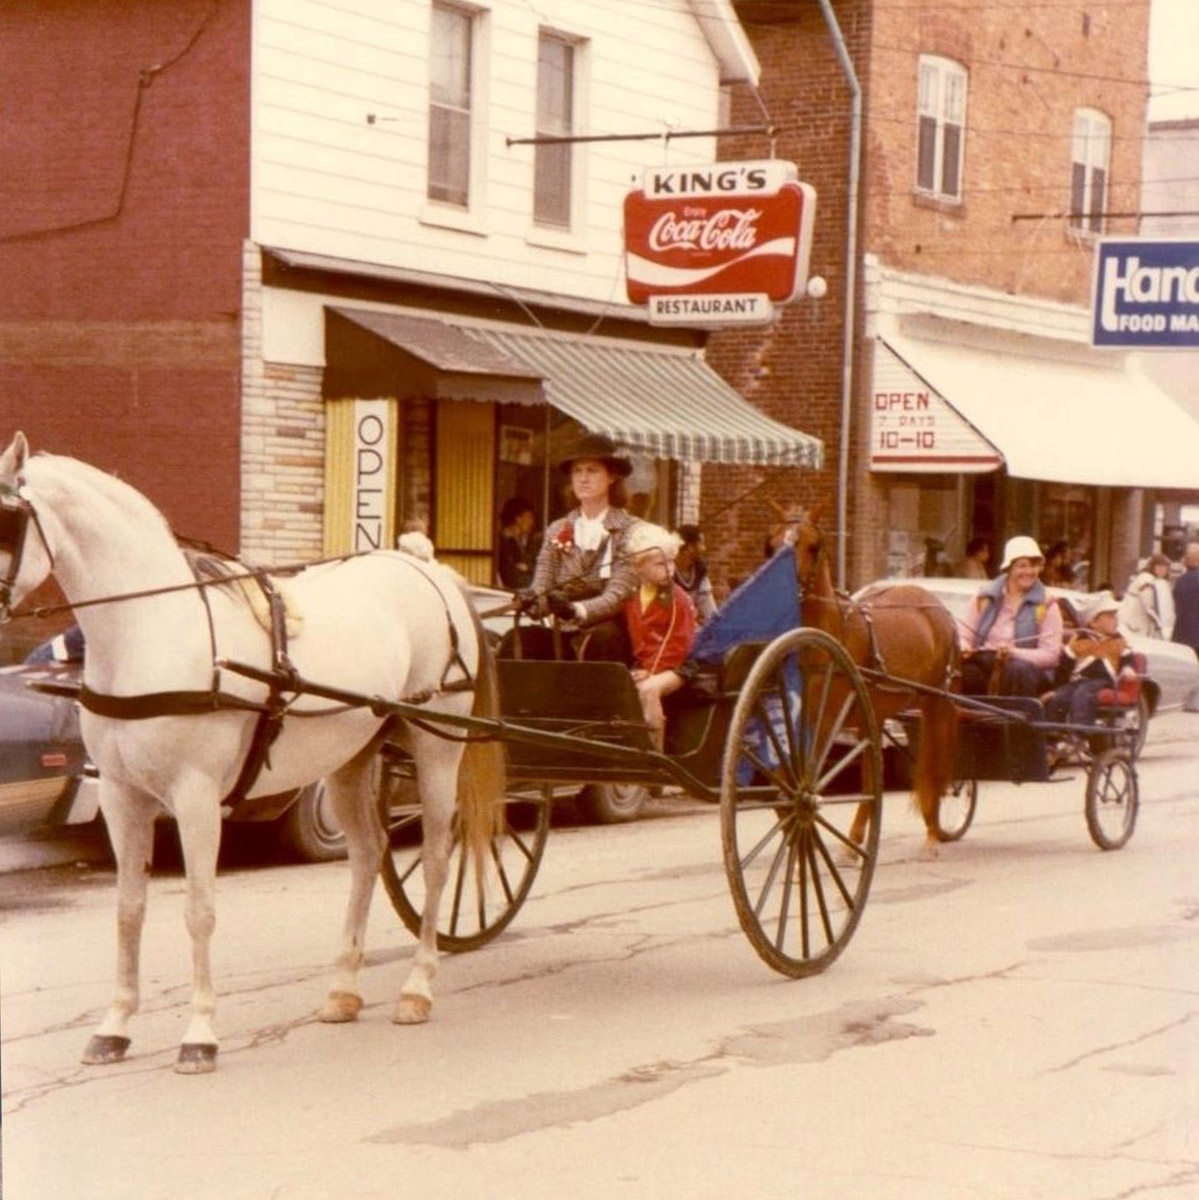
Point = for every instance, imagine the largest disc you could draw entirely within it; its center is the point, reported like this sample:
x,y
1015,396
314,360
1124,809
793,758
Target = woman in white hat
x,y
1012,635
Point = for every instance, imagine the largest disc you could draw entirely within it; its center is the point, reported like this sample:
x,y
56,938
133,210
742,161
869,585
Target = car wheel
x,y
612,803
309,830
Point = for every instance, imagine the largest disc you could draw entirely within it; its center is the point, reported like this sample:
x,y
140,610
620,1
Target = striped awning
x,y
660,401
657,401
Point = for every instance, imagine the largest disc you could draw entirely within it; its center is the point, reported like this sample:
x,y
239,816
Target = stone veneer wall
x,y
282,444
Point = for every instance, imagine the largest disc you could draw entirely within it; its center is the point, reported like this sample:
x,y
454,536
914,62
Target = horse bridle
x,y
16,515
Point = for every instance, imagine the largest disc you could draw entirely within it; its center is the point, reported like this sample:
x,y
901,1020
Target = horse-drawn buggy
x,y
206,683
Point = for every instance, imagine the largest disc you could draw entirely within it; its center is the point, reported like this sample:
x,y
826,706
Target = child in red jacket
x,y
661,621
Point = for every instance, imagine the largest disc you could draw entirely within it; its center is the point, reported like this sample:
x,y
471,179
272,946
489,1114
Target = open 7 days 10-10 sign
x,y
720,244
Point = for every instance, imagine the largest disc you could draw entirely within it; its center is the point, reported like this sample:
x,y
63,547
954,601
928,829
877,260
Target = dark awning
x,y
370,354
661,401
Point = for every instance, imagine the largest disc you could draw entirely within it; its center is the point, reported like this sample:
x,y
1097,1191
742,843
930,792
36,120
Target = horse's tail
x,y
936,758
482,777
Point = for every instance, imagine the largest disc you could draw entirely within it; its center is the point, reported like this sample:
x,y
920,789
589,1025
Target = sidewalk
x,y
54,847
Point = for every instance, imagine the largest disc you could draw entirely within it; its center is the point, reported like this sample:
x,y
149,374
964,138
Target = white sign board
x,y
913,428
372,462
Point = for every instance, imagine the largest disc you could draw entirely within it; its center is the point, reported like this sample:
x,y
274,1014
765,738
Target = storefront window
x,y
1067,515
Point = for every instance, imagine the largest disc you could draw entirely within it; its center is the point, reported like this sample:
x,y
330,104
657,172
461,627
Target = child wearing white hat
x,y
1096,657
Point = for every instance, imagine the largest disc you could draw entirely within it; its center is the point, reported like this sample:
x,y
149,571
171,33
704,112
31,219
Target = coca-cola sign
x,y
737,235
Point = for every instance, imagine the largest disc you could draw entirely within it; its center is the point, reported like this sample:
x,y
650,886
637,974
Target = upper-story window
x,y
450,71
1090,155
941,121
555,118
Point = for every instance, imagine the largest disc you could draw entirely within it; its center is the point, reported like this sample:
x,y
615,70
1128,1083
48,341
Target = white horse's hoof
x,y
412,1010
341,1007
105,1048
930,851
196,1059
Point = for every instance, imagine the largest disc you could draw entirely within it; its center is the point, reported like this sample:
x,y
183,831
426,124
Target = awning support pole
x,y
851,274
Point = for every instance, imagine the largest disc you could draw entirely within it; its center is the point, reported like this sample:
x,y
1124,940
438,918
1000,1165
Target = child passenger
x,y
661,621
1096,657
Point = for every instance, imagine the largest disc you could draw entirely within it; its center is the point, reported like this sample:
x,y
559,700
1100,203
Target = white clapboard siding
x,y
340,129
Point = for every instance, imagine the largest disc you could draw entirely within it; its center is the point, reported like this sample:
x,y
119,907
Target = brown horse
x,y
900,635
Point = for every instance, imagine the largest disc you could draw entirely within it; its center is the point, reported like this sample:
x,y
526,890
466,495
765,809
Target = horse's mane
x,y
109,488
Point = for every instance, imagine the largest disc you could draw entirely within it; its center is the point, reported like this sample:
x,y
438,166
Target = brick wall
x,y
1029,68
793,369
282,444
123,204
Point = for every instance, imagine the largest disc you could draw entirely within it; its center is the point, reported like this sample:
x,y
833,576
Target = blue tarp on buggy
x,y
764,606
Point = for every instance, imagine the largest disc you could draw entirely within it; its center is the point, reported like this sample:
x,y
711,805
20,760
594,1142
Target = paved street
x,y
1016,1020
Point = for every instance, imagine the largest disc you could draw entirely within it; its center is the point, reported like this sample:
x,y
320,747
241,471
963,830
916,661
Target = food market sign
x,y
1146,294
720,244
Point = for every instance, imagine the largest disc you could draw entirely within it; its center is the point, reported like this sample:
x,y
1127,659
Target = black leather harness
x,y
282,688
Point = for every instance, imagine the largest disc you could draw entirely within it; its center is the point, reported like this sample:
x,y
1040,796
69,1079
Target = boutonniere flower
x,y
565,538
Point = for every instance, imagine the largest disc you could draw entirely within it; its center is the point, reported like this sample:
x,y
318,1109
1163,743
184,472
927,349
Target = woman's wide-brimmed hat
x,y
601,449
1021,546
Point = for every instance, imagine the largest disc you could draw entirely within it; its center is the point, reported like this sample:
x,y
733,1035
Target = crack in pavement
x,y
1100,1051
808,1039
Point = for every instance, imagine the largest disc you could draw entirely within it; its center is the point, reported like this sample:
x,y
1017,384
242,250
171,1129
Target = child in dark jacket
x,y
1096,657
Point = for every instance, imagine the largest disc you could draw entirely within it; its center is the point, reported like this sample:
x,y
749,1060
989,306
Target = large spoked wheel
x,y
956,811
801,802
472,912
1113,798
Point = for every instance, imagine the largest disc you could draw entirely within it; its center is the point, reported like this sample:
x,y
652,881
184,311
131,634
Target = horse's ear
x,y
14,457
816,514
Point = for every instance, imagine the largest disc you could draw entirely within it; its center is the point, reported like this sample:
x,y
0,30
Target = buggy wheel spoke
x,y
771,875
783,764
780,937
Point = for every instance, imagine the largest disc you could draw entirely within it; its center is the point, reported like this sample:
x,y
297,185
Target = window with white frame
x,y
941,125
1090,154
450,69
552,164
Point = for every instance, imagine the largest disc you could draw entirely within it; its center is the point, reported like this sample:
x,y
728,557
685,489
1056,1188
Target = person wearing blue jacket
x,y
1012,636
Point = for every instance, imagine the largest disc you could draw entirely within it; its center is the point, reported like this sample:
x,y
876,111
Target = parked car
x,y
41,753
46,781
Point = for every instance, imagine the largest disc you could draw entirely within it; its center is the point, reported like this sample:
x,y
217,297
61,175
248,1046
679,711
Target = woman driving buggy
x,y
583,574
1012,636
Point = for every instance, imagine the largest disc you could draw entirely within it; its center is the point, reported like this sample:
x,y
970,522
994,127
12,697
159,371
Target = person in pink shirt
x,y
1012,636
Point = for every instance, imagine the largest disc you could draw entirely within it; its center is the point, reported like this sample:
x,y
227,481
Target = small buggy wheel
x,y
1113,799
473,910
1137,724
956,811
801,802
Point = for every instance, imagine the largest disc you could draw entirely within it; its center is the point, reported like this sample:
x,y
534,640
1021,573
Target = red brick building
x,y
124,185
997,144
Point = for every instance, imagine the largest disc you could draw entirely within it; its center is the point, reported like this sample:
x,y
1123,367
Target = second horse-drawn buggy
x,y
375,673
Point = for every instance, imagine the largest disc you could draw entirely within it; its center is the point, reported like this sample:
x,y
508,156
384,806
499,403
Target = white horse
x,y
381,625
